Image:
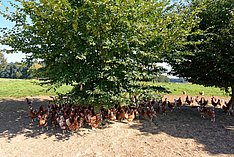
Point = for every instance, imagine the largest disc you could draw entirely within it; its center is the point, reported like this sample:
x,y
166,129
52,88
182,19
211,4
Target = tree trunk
x,y
231,102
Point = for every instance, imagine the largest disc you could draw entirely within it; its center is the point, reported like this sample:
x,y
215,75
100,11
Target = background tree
x,y
206,55
101,47
19,70
3,61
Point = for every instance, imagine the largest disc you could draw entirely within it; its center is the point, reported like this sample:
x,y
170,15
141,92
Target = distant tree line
x,y
17,70
27,70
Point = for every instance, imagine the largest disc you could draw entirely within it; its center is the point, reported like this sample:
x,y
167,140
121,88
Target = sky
x,y
16,57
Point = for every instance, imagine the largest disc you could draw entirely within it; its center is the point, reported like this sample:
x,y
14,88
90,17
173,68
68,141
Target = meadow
x,y
17,88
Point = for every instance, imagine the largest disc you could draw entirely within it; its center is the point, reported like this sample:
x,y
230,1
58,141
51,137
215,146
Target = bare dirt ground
x,y
178,133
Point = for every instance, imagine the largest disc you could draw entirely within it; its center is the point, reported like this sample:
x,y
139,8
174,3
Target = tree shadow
x,y
14,121
158,89
186,123
217,137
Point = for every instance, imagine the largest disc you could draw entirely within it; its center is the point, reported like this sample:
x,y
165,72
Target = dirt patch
x,y
178,133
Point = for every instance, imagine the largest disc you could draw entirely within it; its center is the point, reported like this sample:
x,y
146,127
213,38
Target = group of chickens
x,y
73,117
207,110
66,116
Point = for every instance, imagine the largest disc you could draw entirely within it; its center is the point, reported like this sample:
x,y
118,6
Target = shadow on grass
x,y
158,89
216,137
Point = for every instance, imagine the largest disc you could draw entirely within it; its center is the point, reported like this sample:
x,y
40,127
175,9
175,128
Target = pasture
x,y
178,133
17,88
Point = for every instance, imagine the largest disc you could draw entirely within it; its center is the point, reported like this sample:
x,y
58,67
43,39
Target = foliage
x,y
12,70
206,54
161,78
16,71
3,61
100,47
34,68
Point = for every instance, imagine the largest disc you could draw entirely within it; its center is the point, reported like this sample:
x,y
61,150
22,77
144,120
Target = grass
x,y
16,88
191,89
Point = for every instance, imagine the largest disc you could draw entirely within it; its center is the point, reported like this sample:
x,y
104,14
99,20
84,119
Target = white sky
x,y
13,57
16,57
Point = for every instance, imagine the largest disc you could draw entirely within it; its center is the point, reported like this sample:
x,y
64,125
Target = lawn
x,y
16,88
191,89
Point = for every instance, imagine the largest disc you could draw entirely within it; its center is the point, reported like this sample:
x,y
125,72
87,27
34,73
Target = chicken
x,y
121,115
81,122
202,93
62,123
112,115
171,105
29,103
151,114
143,113
203,102
41,110
32,114
207,111
196,100
189,101
53,117
131,116
227,108
72,123
215,102
104,113
158,106
178,102
43,120
94,121
164,106
136,113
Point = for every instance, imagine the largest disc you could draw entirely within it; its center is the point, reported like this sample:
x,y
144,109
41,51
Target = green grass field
x,y
191,89
16,88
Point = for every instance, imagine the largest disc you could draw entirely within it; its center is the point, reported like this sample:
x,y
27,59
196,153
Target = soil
x,y
178,133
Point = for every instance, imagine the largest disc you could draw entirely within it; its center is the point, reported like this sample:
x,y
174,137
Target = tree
x,y
12,70
19,70
101,47
3,61
206,55
34,68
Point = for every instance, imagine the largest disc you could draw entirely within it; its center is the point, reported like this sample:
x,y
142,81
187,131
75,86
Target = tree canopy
x,y
101,47
206,55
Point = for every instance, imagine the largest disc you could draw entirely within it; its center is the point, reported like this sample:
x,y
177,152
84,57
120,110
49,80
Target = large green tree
x,y
100,46
206,54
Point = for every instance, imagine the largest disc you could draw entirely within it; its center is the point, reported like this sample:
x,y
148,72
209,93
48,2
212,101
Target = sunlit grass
x,y
191,89
16,88
20,88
